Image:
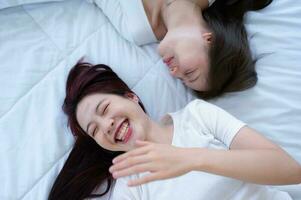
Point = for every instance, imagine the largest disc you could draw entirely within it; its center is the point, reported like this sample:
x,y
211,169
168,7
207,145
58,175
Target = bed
x,y
41,40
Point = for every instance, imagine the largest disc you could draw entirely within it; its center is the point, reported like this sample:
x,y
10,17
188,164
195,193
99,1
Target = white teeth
x,y
126,130
122,131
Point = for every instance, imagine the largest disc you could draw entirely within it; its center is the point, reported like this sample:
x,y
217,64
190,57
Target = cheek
x,y
200,85
202,63
204,70
103,142
203,59
140,131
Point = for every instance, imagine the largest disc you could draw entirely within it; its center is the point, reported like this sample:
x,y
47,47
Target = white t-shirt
x,y
204,125
129,19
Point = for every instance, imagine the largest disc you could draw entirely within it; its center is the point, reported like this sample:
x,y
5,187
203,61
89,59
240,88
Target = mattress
x,y
39,43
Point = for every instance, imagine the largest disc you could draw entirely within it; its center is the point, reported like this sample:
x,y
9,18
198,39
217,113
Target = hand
x,y
161,160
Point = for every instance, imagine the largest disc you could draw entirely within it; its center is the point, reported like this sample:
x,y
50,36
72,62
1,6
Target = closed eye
x,y
94,132
189,73
191,81
105,109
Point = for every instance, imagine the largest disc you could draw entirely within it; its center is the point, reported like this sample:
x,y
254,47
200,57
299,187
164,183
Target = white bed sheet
x,y
40,43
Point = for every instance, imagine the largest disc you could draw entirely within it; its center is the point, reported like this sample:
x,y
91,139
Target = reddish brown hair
x,y
88,163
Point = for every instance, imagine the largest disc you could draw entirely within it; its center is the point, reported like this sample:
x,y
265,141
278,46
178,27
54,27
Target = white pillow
x,y
12,3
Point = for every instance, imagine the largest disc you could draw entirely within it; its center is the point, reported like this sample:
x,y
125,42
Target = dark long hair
x,y
232,67
87,166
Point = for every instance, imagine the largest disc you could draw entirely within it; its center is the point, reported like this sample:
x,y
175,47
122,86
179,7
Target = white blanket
x,y
39,43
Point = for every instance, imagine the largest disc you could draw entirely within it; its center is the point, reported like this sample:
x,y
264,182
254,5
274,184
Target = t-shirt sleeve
x,y
216,121
129,19
123,192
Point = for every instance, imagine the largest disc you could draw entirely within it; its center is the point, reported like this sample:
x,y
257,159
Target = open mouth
x,y
123,133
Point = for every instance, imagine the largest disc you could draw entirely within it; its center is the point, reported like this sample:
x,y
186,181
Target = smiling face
x,y
113,121
185,52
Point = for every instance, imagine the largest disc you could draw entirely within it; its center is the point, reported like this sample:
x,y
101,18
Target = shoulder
x,y
196,111
206,112
129,19
194,107
138,23
200,105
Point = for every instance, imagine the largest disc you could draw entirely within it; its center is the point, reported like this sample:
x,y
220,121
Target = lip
x,y
128,134
168,61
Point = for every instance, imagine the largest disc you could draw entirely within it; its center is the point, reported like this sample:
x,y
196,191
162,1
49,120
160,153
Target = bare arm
x,y
251,158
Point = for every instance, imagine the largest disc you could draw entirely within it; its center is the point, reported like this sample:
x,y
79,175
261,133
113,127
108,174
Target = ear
x,y
132,96
207,37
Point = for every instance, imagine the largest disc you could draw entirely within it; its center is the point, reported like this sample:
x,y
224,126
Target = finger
x,y
132,170
134,152
128,162
141,143
144,179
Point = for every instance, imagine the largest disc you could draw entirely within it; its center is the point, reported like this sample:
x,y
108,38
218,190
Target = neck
x,y
181,14
160,133
164,17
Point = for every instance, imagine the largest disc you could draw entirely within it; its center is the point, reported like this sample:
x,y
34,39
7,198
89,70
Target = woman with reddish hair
x,y
199,152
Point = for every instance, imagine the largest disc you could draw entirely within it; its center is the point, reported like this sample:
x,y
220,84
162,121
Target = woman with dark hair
x,y
202,151
203,43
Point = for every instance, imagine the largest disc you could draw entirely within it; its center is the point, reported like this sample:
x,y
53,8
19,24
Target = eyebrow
x,y
100,102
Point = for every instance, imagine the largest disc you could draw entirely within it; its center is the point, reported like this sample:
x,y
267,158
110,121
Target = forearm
x,y
268,166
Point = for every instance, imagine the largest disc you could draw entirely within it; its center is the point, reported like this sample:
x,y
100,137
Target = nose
x,y
109,126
